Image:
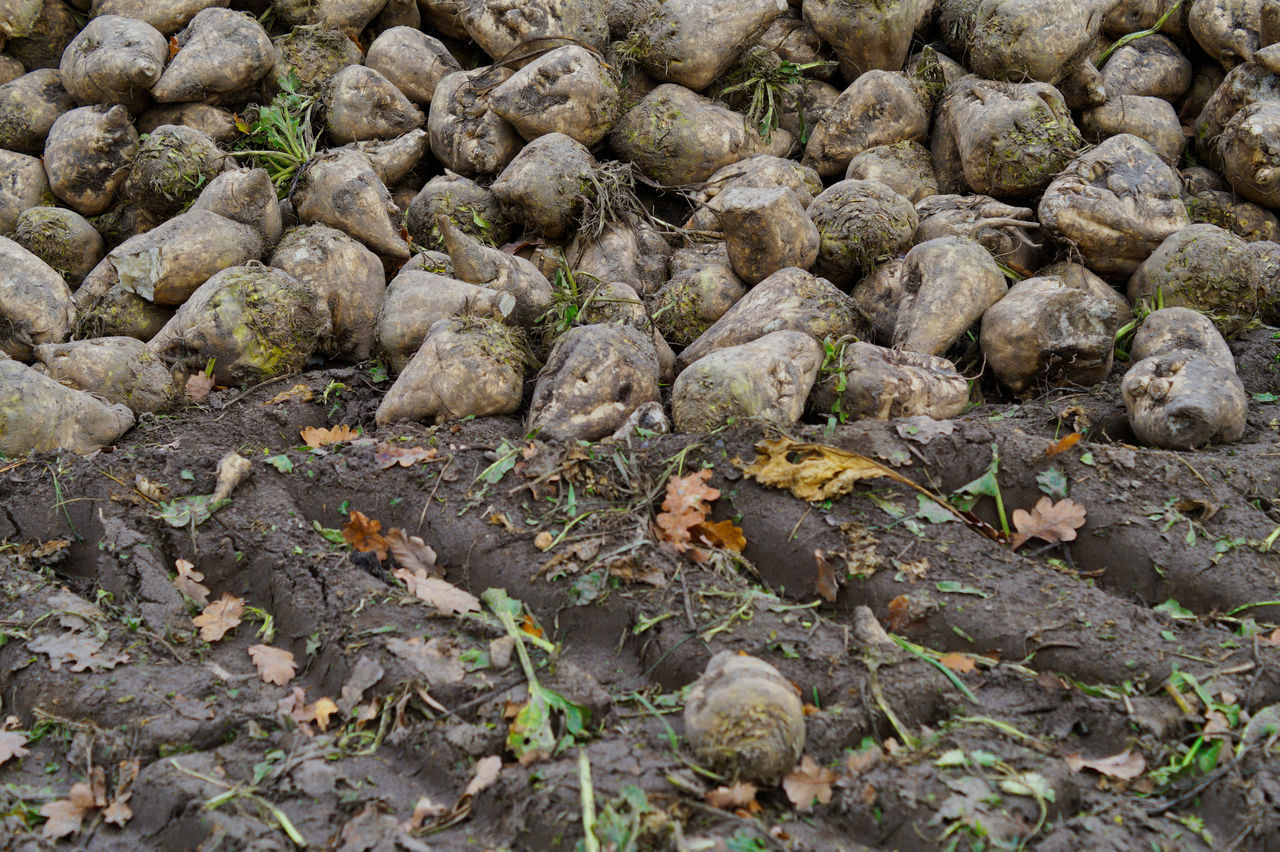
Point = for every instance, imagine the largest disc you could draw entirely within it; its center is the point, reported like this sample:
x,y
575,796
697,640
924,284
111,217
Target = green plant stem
x,y
590,840
1131,37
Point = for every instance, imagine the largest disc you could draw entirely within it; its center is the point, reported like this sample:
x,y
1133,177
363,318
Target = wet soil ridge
x,y
952,684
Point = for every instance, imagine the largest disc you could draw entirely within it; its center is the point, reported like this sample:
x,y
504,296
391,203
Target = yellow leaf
x,y
818,473
322,710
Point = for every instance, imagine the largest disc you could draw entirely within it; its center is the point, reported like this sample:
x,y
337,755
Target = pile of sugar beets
x,y
871,199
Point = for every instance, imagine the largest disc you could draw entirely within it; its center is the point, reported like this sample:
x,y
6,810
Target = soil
x,y
1052,650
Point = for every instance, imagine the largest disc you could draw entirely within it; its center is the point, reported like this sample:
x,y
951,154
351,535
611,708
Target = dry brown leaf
x,y
275,665
487,769
722,534
366,672
686,505
807,782
739,795
11,745
188,582
232,469
390,455
198,387
361,532
82,650
65,815
899,612
118,812
958,663
294,706
297,393
433,659
1125,765
424,808
412,553
543,540
441,594
1048,520
218,617
826,586
317,437
322,710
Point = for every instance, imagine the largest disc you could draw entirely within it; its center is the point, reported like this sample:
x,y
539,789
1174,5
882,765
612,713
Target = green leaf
x,y
1053,482
282,463
889,507
1031,784
983,758
955,588
950,758
531,729
930,511
331,535
502,604
185,511
1173,609
1265,397
1087,458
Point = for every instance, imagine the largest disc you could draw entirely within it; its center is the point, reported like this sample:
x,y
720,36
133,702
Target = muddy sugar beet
x,y
566,211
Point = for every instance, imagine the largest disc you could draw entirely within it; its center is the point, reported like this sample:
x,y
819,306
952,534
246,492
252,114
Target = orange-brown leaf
x,y
1048,520
361,532
275,665
1063,444
686,505
219,617
316,437
958,663
899,612
723,534
528,625
809,782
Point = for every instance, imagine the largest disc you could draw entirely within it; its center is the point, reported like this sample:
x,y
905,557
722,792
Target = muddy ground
x,y
1050,651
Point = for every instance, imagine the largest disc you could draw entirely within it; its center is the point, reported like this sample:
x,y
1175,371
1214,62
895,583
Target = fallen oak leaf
x,y
64,816
219,617
1125,765
808,782
412,553
198,387
11,745
316,437
725,535
1053,522
232,469
118,812
389,455
275,665
958,663
739,795
434,660
188,582
297,393
424,808
441,594
685,506
361,532
1063,444
322,710
826,585
487,769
